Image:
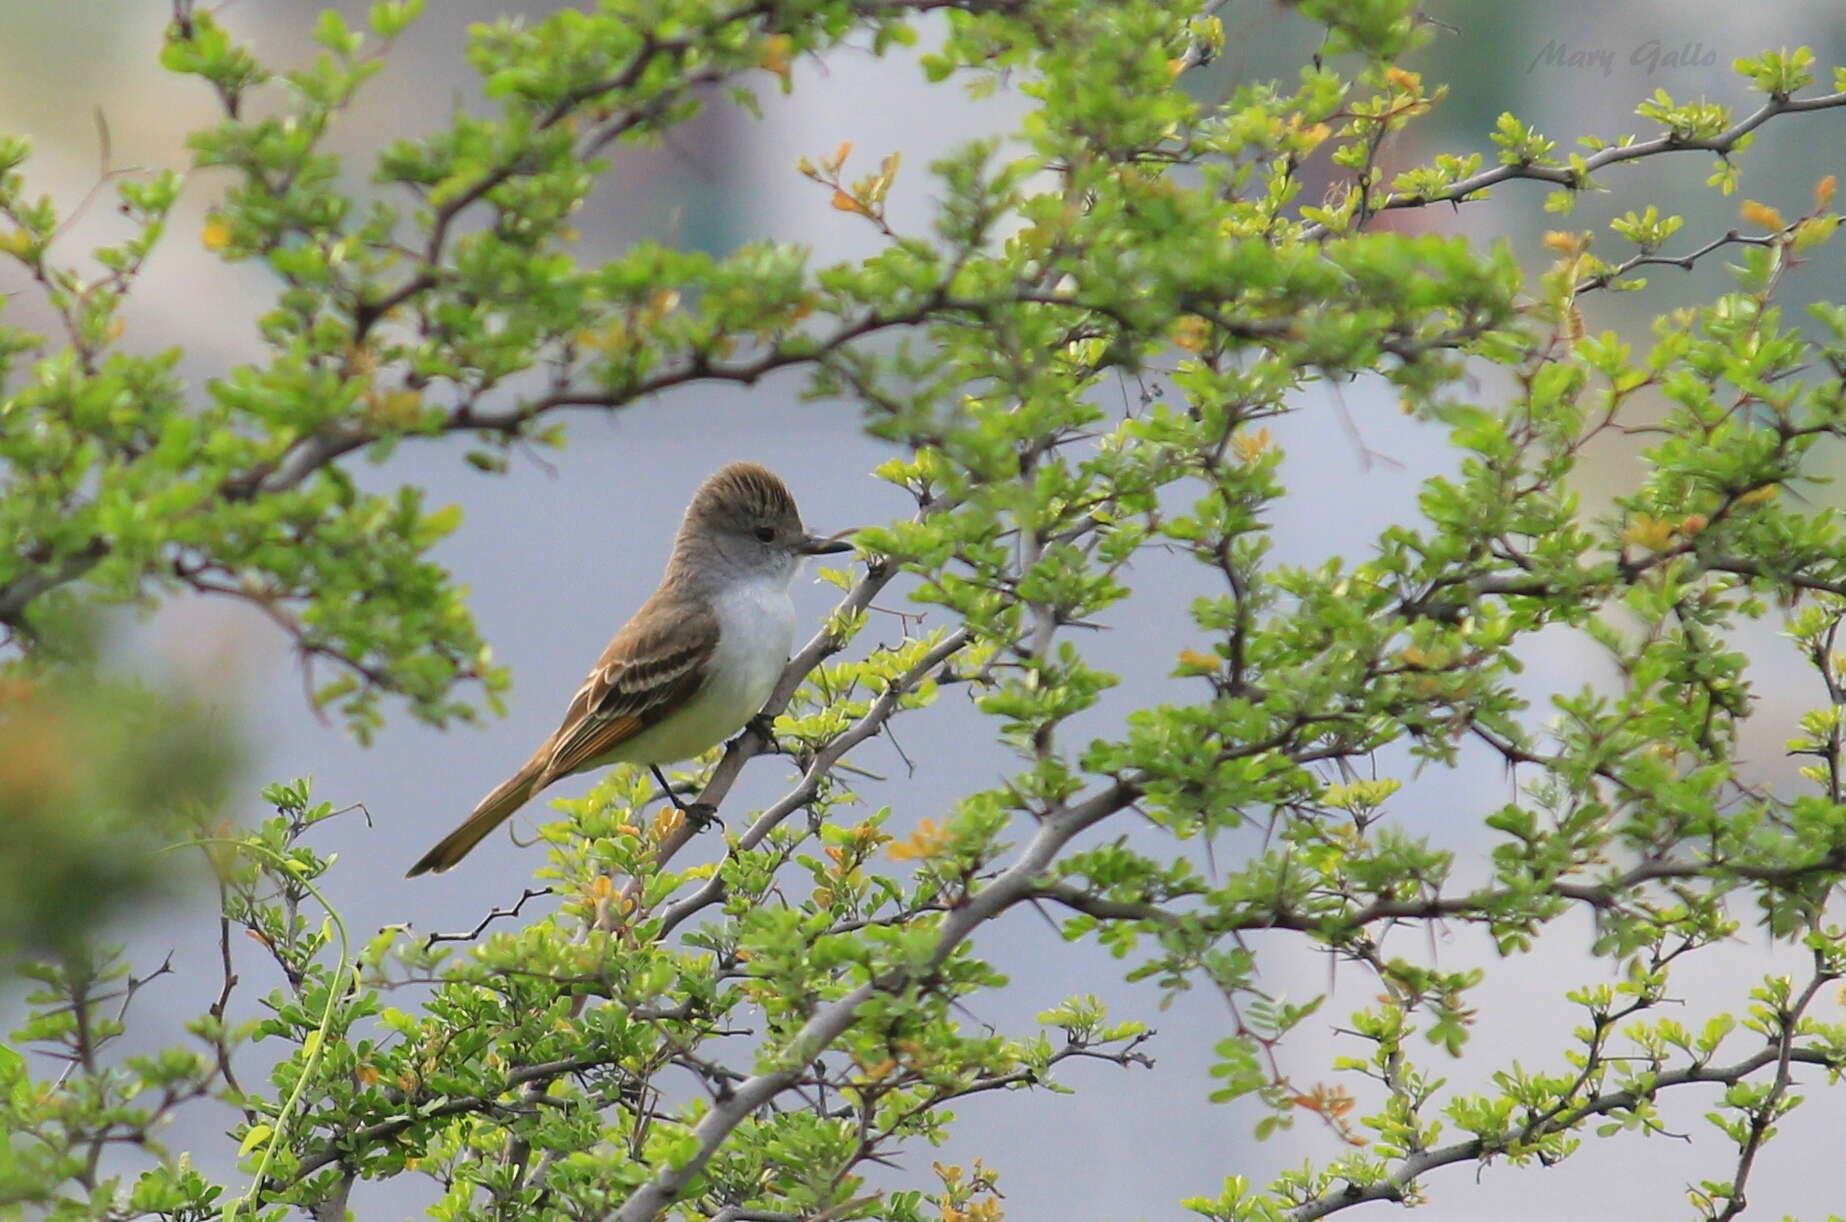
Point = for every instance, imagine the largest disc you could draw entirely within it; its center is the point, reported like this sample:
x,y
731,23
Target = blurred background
x,y
559,551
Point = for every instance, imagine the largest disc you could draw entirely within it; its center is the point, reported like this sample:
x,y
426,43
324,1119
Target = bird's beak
x,y
825,545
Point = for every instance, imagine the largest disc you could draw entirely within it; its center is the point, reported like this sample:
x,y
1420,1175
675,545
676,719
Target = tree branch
x,y
1398,1185
1012,886
1723,143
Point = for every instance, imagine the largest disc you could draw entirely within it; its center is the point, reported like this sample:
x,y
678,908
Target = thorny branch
x,y
1399,1186
497,914
1724,143
1011,887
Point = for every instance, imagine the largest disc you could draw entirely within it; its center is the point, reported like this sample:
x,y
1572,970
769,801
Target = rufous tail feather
x,y
494,810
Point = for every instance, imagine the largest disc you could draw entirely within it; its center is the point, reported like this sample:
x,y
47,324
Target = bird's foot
x,y
700,815
764,727
681,805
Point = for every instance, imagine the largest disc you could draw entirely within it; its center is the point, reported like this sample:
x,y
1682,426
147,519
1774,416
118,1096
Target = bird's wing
x,y
653,666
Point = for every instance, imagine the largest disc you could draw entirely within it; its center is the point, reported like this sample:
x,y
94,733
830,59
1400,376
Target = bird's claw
x,y
764,727
700,814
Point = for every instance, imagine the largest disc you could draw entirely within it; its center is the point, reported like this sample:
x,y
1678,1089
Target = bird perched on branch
x,y
693,665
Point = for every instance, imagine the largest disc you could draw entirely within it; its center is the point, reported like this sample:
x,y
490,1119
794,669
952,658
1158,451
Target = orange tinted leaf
x,y
1191,333
927,841
1192,662
1251,446
775,55
1654,534
1762,215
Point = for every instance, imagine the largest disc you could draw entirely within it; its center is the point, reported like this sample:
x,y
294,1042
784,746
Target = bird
x,y
693,666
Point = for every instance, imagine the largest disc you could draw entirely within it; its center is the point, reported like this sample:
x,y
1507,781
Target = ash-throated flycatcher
x,y
695,663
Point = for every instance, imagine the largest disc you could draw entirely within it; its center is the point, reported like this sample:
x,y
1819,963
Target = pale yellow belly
x,y
756,628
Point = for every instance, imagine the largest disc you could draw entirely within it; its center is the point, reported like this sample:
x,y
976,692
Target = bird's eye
x,y
765,534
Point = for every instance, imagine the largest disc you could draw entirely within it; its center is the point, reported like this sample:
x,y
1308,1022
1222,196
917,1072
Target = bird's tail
x,y
494,810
